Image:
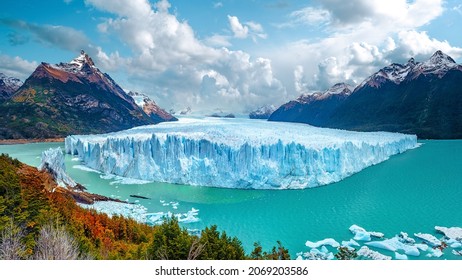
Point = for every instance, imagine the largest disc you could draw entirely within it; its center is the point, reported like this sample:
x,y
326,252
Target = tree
x,y
277,253
170,242
220,246
11,247
345,253
55,243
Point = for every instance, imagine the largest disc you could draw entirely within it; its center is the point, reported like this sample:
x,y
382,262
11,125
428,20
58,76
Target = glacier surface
x,y
236,153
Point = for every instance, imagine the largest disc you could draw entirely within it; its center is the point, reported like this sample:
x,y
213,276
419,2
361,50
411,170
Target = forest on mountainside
x,y
36,223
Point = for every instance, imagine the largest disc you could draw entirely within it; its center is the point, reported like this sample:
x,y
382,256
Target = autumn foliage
x,y
39,220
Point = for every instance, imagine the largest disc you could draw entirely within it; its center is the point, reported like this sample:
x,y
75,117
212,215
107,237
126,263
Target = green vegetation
x,y
36,223
344,253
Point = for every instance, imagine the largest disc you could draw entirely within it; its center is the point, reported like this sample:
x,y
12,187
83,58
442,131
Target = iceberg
x,y
371,254
316,254
328,241
362,235
399,256
428,238
451,233
394,244
236,153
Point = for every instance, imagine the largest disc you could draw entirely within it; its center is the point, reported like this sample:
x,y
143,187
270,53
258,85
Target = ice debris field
x,y
402,246
236,153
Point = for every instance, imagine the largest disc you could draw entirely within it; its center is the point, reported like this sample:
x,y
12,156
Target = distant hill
x,y
70,98
262,112
150,107
8,85
315,108
423,98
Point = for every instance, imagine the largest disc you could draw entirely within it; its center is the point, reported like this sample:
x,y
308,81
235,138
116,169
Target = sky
x,y
227,55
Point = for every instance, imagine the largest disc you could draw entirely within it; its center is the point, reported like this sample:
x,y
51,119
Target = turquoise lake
x,y
411,192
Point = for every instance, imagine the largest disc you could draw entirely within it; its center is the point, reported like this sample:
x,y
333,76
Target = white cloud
x,y
174,67
301,87
51,35
16,66
217,5
308,16
250,28
420,46
240,31
364,36
217,40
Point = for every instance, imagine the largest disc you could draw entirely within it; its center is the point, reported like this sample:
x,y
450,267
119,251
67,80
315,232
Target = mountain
x,y
262,112
314,109
8,85
423,98
151,109
69,98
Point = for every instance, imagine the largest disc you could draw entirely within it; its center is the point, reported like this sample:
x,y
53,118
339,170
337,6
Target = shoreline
x,y
28,141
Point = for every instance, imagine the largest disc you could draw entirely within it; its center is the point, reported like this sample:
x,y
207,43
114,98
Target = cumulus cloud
x,y
244,30
16,66
240,31
178,70
364,37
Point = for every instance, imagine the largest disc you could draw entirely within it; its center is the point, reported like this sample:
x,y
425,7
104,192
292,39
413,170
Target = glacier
x,y
236,153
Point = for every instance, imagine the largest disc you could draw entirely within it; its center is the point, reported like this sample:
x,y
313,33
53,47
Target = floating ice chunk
x,y
237,153
316,254
399,256
457,253
394,244
451,233
421,247
456,245
154,218
362,235
428,238
85,168
189,217
404,238
327,241
111,208
370,254
350,243
75,159
436,253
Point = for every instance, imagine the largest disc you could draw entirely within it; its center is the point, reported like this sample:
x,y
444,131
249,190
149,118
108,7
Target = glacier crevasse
x,y
237,153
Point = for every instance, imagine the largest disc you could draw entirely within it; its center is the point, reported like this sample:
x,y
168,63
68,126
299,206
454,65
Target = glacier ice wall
x,y
237,153
52,161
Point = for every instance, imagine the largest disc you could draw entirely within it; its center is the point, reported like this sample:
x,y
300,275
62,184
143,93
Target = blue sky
x,y
229,55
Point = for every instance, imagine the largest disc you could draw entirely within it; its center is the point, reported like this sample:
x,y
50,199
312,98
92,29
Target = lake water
x,y
411,192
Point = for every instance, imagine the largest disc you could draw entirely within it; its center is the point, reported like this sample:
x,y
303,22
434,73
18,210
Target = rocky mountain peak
x,y
82,60
441,58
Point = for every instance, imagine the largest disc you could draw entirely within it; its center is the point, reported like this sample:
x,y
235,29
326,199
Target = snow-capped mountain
x,y
70,98
438,64
151,108
262,112
423,98
337,89
313,108
8,85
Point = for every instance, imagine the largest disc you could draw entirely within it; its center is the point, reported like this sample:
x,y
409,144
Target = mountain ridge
x,y
71,98
423,98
